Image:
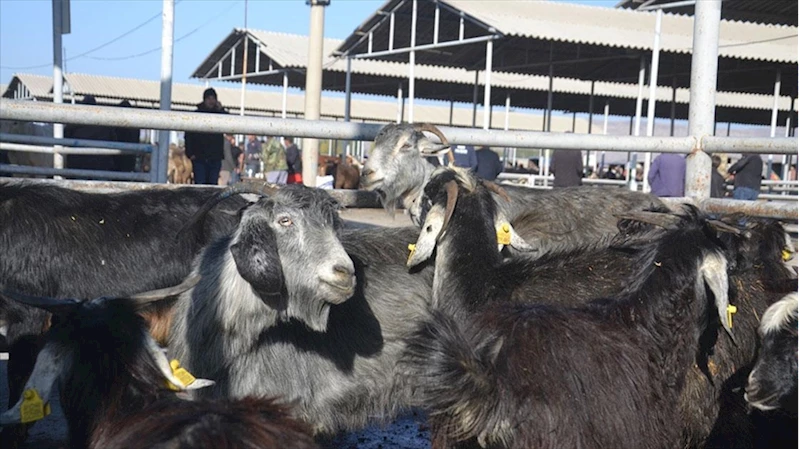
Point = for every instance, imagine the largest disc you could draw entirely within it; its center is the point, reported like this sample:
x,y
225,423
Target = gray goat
x,y
550,220
336,359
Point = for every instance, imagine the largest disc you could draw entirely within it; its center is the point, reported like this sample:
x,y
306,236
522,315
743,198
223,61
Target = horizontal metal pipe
x,y
48,171
85,143
783,210
192,121
49,150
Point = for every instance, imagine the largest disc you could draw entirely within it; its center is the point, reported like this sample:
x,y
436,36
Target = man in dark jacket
x,y
126,162
567,166
90,132
206,150
717,186
465,157
294,161
488,164
747,177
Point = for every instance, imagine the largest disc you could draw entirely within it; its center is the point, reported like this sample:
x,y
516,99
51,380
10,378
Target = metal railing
x,y
41,144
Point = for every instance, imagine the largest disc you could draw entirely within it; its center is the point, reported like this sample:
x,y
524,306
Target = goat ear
x,y
507,236
144,298
426,243
180,382
714,273
257,260
52,305
39,386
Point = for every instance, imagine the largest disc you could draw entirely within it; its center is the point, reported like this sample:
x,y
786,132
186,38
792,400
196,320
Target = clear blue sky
x,y
26,37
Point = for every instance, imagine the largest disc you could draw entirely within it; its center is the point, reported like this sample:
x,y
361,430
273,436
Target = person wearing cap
x,y
206,150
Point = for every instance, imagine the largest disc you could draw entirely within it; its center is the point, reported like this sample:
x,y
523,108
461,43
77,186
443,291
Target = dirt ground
x,y
407,432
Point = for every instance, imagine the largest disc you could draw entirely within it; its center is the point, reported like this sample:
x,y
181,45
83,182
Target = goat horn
x,y
144,298
724,227
433,129
452,198
494,187
52,305
263,190
665,221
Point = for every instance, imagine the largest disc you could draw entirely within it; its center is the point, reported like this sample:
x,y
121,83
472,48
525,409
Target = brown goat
x,y
180,166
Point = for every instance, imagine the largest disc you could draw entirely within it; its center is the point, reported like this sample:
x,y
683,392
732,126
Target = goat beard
x,y
305,307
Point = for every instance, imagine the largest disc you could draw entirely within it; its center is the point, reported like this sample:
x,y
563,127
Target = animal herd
x,y
255,317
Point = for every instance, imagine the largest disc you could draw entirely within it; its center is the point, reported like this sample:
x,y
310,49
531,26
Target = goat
x,y
613,375
180,166
550,220
61,242
346,174
114,382
772,382
338,363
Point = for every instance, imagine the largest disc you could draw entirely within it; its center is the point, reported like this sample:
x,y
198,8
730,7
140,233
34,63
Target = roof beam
x,y
396,51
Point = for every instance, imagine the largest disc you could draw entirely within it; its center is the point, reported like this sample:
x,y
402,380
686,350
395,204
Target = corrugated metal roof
x,y
777,12
586,42
145,93
627,29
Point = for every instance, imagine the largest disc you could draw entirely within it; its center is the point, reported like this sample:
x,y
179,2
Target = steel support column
x,y
58,78
411,76
313,90
487,91
650,105
167,39
702,105
284,100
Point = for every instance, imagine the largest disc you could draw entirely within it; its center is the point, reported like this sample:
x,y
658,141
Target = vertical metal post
x,y
391,33
58,80
673,113
435,24
605,122
650,105
244,71
348,99
399,104
507,110
412,77
574,121
451,110
548,127
284,103
313,89
487,89
460,28
786,159
590,121
159,163
258,58
639,102
474,98
775,107
369,45
702,105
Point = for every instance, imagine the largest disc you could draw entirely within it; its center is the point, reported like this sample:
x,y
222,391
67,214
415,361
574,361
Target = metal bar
x,y
435,24
264,73
774,109
390,34
590,121
412,75
244,70
313,91
284,101
673,113
58,78
474,98
639,101
159,163
487,88
348,97
233,59
47,171
653,84
79,143
605,122
268,126
769,209
257,58
397,51
507,111
702,105
49,149
460,28
399,104
369,44
548,122
451,111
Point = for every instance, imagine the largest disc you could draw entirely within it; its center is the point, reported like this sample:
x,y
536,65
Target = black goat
x,y
61,242
608,374
772,382
114,382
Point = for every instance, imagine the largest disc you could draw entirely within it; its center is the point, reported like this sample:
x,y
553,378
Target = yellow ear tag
x,y
786,255
503,234
730,311
182,374
411,247
33,407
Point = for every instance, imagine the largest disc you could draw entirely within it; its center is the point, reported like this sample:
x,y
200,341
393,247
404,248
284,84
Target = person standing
x,y
488,164
293,161
465,157
206,150
252,157
717,187
567,166
667,175
747,170
274,157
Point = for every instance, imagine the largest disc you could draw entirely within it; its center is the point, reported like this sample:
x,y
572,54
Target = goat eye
x,y
429,228
284,221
